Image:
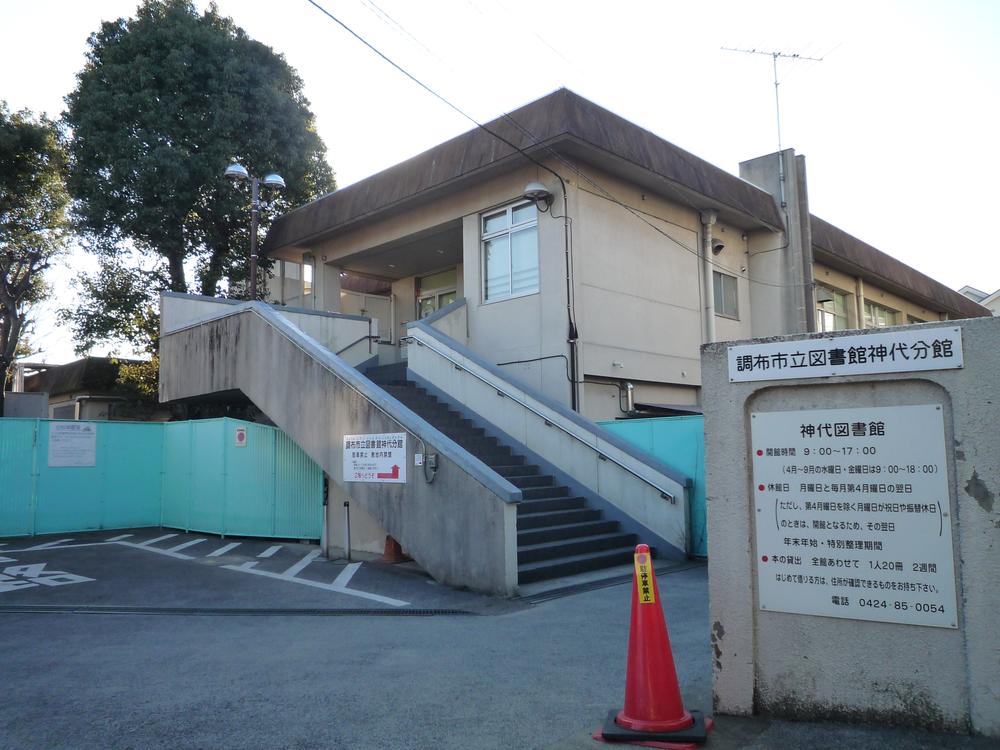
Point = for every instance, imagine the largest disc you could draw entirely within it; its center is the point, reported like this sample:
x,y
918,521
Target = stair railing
x,y
664,493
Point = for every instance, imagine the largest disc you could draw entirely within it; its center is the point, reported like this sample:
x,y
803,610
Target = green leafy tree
x,y
165,102
33,225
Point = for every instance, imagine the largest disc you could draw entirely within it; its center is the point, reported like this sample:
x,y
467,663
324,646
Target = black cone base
x,y
697,732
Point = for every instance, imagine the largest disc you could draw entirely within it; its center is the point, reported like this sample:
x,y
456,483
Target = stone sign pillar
x,y
852,484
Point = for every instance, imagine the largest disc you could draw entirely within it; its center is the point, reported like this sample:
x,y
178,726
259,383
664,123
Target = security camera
x,y
718,246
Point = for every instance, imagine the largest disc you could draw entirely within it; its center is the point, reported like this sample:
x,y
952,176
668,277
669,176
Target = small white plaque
x,y
240,437
72,444
375,458
853,514
865,354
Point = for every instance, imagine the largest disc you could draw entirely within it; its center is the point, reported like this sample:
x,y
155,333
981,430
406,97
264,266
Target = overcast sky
x,y
898,122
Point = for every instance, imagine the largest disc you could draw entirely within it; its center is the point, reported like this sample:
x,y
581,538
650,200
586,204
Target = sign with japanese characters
x,y
893,351
375,458
72,444
852,514
644,578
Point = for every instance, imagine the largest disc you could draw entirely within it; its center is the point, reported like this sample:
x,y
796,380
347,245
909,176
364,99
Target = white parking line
x,y
346,574
120,537
157,550
270,551
223,550
243,566
316,584
47,545
185,545
301,564
154,541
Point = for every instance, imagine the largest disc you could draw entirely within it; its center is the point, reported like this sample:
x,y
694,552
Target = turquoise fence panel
x,y
68,498
250,466
679,442
17,475
132,462
298,491
120,489
175,500
207,488
189,475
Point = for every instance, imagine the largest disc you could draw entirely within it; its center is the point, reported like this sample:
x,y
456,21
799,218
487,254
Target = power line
x,y
536,141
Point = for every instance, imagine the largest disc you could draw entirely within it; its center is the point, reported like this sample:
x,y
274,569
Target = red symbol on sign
x,y
394,474
760,452
764,558
760,487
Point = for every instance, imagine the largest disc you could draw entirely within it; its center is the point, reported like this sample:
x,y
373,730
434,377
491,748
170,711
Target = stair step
x,y
462,433
522,470
564,531
570,547
539,493
556,518
565,566
500,459
534,480
550,503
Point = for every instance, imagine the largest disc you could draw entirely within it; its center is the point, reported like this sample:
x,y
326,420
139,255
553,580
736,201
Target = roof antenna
x,y
777,103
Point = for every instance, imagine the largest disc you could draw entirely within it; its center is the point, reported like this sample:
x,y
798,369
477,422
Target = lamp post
x,y
238,173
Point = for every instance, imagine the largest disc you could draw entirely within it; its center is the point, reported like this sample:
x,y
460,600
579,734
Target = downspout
x,y
708,218
573,335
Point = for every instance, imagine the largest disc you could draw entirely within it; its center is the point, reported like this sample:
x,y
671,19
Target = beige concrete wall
x,y
815,667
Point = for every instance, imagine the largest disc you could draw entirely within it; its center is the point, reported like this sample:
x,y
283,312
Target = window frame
x,y
716,301
877,306
509,230
821,311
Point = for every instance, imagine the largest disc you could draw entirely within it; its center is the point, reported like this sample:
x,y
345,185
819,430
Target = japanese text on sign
x,y
644,579
72,444
876,547
375,458
892,351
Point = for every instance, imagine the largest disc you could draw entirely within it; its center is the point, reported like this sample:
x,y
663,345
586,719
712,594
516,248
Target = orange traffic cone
x,y
393,553
654,713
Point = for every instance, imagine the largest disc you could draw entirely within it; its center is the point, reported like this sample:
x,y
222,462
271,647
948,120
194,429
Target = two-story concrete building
x,y
483,303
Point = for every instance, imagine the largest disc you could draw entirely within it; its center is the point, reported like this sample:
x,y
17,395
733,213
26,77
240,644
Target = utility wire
x,y
537,141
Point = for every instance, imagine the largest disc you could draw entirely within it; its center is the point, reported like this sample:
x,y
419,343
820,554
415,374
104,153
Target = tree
x,y
33,225
165,102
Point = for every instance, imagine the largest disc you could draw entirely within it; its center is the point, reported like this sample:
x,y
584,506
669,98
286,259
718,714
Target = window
x,y
510,252
877,316
726,302
831,309
436,291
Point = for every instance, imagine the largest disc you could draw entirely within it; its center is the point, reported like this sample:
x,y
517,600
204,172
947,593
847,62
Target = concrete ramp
x,y
459,524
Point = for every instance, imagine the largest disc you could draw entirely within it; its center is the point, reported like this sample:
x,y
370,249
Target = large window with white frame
x,y
510,251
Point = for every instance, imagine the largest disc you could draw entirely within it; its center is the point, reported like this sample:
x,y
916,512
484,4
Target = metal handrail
x,y
368,337
665,494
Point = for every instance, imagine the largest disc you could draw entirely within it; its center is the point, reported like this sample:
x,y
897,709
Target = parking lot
x,y
152,570
159,639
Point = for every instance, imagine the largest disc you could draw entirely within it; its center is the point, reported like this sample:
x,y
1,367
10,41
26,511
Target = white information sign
x,y
240,437
375,458
853,517
72,444
864,354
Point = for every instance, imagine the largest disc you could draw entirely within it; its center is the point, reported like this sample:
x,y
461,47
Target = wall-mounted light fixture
x,y
538,194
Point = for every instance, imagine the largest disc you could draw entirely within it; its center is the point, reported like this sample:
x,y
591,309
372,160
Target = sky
x,y
898,120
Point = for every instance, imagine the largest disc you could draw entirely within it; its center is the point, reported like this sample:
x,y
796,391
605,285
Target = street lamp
x,y
238,173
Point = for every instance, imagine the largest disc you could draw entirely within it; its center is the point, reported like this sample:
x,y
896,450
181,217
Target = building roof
x,y
835,247
563,122
97,375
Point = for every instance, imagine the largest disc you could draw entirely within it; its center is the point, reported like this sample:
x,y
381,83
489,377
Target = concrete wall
x,y
461,528
593,457
805,666
332,330
26,405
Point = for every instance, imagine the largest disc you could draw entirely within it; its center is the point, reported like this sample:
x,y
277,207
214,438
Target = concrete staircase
x,y
558,535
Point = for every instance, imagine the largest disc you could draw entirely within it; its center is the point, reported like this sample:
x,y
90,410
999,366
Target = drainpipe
x,y
708,218
573,335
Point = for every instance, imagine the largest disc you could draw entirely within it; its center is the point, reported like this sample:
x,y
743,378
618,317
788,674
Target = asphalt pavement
x,y
161,651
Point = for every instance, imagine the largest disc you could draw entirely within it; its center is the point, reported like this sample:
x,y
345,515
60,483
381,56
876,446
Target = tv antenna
x,y
774,57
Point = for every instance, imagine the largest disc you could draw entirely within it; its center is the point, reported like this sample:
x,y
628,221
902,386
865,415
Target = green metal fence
x,y
220,476
679,442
